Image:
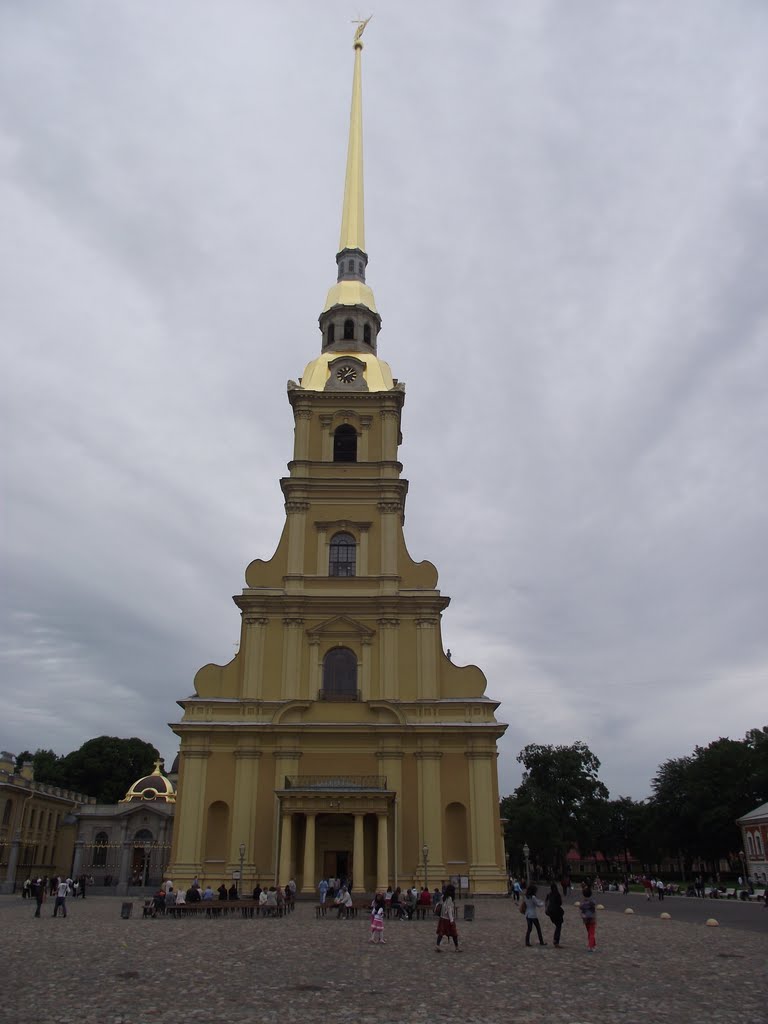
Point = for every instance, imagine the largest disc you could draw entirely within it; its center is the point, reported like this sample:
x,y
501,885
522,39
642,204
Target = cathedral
x,y
341,740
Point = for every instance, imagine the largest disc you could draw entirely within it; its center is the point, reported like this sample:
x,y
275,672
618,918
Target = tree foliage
x,y
104,767
697,798
555,806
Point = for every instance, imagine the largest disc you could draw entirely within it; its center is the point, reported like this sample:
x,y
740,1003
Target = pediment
x,y
341,627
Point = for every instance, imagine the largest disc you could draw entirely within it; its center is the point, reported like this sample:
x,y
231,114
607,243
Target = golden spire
x,y
352,215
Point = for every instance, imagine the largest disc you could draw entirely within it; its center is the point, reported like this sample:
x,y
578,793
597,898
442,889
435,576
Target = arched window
x,y
99,859
340,674
217,834
341,558
7,811
331,333
349,330
758,844
456,833
351,266
367,334
345,444
143,836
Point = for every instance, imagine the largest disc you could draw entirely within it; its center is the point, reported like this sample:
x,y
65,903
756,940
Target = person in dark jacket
x,y
553,907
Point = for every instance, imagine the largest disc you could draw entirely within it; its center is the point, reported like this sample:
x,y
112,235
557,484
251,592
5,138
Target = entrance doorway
x,y
337,864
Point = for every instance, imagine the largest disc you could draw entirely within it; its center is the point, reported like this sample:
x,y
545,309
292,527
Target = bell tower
x,y
341,740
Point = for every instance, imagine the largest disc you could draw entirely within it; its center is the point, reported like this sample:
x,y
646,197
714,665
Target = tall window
x,y
349,330
99,859
340,674
341,560
331,333
345,444
7,811
367,334
758,844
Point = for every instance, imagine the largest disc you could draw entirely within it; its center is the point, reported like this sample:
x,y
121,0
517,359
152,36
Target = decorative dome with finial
x,y
350,322
152,787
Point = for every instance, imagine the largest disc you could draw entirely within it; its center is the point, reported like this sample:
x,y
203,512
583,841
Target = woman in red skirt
x,y
446,925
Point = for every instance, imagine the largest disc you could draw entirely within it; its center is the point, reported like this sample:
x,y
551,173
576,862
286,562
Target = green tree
x,y
106,766
47,767
556,804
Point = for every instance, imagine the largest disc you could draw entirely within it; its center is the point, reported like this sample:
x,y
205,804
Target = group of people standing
x,y
553,908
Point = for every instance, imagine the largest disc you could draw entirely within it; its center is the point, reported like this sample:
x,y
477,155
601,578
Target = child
x,y
589,917
377,920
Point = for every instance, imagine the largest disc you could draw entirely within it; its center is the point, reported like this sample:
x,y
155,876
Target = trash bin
x,y
126,910
469,911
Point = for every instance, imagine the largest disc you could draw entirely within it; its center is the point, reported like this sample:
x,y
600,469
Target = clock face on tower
x,y
346,374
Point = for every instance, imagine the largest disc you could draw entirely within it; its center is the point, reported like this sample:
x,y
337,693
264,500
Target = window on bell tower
x,y
340,674
345,444
367,334
349,330
342,555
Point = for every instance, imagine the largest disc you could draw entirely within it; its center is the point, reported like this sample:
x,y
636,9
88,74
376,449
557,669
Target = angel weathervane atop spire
x,y
361,23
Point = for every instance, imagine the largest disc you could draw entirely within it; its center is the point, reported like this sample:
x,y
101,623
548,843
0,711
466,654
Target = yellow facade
x,y
341,740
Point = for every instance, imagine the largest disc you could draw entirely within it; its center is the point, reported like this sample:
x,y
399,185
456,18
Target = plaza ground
x,y
95,968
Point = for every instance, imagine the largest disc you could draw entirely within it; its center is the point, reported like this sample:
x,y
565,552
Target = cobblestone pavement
x,y
94,968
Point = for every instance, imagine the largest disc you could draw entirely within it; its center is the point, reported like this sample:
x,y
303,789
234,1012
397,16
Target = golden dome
x,y
377,373
152,787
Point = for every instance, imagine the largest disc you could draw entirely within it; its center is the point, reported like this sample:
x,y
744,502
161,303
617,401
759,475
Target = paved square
x,y
94,968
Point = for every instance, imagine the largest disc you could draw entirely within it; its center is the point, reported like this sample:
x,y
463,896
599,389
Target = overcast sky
x,y
567,222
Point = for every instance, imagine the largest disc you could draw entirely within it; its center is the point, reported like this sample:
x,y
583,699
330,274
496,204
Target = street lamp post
x,y
526,854
242,858
425,855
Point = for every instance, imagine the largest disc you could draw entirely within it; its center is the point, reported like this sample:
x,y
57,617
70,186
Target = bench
x,y
227,908
758,894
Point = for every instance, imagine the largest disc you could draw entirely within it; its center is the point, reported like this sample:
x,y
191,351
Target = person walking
x,y
446,924
62,890
39,889
531,905
589,917
553,907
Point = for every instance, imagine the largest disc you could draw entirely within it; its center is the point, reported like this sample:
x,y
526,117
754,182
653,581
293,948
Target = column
x,y
293,629
426,659
326,423
296,513
253,667
358,855
390,419
302,415
362,438
322,549
9,885
77,861
188,824
244,806
484,814
391,767
286,848
388,657
362,568
125,867
382,852
365,668
431,807
314,669
390,516
308,881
